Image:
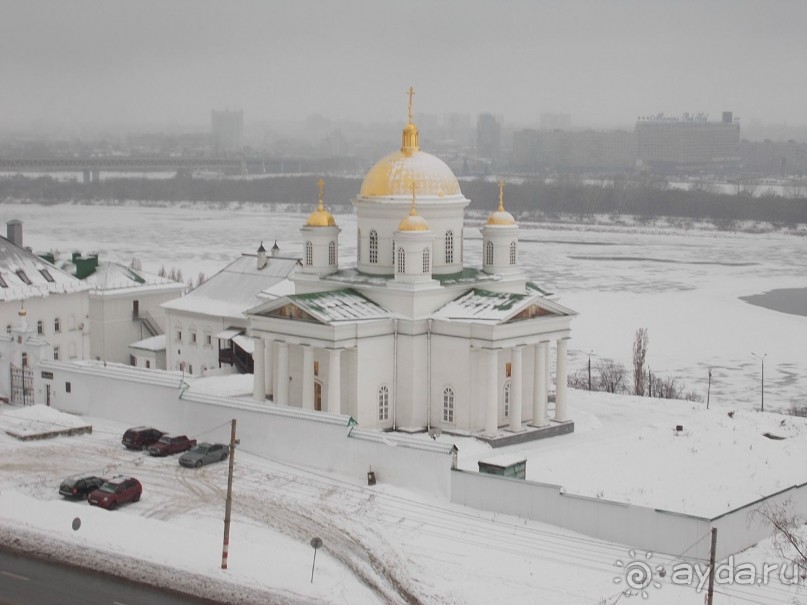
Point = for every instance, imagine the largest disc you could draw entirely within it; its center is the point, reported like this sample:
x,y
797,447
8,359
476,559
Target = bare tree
x,y
136,265
640,342
578,380
611,376
788,533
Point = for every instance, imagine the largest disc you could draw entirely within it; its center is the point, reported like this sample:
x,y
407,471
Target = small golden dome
x,y
320,217
413,222
501,217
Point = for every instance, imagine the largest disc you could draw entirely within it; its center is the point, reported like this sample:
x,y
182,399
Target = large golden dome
x,y
394,174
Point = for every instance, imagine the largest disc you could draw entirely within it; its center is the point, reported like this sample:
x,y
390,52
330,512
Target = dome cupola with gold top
x,y
320,240
384,197
500,240
413,247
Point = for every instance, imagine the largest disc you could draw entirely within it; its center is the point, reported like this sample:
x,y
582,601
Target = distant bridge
x,y
91,166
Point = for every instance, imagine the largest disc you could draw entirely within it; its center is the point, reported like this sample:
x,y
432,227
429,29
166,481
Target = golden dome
x,y
501,217
394,174
320,217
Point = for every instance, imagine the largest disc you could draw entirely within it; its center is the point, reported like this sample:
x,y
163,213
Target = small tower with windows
x,y
414,248
500,240
320,240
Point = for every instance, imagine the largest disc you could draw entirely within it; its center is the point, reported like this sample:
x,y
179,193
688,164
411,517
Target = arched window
x,y
358,245
24,359
332,254
513,253
426,264
448,404
8,329
449,247
57,325
383,403
507,398
401,261
373,247
309,254
40,327
488,253
393,252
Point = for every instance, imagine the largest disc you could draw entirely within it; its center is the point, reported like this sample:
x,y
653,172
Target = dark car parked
x,y
171,444
140,437
116,491
80,486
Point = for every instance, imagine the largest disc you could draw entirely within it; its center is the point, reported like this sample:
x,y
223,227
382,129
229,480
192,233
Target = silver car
x,y
204,453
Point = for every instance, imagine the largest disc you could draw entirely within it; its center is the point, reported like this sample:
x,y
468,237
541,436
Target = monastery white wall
x,y
649,529
317,440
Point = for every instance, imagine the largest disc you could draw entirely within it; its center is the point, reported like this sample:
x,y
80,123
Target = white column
x,y
539,389
282,391
334,381
516,382
267,372
308,378
560,382
258,376
492,408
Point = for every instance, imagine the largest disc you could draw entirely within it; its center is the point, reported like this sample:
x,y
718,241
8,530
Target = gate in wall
x,y
22,385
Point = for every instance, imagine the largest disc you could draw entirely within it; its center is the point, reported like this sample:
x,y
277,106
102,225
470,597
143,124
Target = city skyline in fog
x,y
150,64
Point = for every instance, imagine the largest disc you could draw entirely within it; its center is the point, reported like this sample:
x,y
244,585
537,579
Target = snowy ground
x,y
381,544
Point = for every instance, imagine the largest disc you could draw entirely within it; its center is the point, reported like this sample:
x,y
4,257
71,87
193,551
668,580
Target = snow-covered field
x,y
381,544
388,545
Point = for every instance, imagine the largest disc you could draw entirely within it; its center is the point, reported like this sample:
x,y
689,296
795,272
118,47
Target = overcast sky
x,y
150,63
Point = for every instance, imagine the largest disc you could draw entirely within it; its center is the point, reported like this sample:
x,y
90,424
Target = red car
x,y
171,444
116,491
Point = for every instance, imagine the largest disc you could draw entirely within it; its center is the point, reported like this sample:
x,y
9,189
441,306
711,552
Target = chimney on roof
x,y
275,249
14,232
261,257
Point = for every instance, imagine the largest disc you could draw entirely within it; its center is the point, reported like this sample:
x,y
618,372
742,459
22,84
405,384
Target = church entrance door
x,y
317,396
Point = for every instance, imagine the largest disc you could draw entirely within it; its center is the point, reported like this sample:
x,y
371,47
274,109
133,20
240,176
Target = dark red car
x,y
171,444
140,437
116,491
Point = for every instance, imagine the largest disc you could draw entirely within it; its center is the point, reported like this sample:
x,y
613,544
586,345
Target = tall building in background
x,y
227,130
687,143
488,137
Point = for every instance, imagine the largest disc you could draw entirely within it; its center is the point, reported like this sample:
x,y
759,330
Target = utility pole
x,y
710,592
228,507
762,390
589,369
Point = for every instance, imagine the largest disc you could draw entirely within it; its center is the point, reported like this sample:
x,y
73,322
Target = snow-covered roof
x,y
329,307
498,307
154,343
25,275
238,287
112,276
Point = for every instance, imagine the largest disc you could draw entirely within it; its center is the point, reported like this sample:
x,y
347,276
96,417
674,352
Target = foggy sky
x,y
149,63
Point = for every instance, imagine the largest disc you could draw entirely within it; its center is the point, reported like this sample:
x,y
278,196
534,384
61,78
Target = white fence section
x,y
317,440
331,443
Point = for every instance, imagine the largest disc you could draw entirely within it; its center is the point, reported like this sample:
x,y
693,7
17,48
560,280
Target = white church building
x,y
410,338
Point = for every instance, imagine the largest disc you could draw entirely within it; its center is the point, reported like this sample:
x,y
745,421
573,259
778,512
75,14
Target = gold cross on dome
x,y
501,195
321,185
411,109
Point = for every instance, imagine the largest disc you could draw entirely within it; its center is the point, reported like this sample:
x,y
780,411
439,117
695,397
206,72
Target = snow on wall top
x,y
24,275
114,276
483,305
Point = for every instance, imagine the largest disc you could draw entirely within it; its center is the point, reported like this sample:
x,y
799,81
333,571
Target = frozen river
x,y
685,287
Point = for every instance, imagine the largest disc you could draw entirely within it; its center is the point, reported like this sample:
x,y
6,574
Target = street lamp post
x,y
762,388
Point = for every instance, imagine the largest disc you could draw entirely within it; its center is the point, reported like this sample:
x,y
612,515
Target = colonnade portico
x,y
540,384
272,377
